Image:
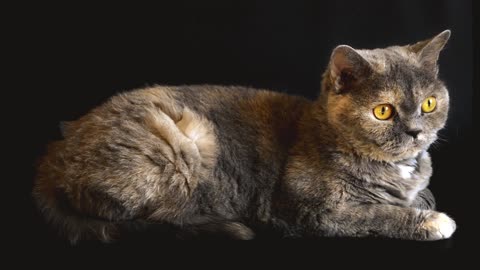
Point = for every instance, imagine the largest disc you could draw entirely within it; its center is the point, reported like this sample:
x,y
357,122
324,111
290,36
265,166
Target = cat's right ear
x,y
347,68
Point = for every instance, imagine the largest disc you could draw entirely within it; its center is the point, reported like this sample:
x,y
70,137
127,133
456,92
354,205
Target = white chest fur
x,y
406,171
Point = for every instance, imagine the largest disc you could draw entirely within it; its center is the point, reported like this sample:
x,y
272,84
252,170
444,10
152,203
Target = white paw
x,y
439,226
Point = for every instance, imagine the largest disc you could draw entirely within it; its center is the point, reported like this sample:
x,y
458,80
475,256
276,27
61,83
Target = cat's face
x,y
388,103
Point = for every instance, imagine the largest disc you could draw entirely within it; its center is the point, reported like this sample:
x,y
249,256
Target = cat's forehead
x,y
398,68
385,59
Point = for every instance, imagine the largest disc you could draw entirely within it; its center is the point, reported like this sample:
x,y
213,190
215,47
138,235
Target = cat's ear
x,y
347,68
429,50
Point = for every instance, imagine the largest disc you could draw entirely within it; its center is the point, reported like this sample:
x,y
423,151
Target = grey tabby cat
x,y
233,160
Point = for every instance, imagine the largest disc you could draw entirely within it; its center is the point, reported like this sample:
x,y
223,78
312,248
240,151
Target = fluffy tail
x,y
53,196
220,229
69,223
75,227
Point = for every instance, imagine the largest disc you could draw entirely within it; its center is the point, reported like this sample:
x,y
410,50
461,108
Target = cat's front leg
x,y
387,221
424,200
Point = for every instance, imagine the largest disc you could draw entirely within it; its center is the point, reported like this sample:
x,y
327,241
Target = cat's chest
x,y
393,183
398,183
411,180
405,171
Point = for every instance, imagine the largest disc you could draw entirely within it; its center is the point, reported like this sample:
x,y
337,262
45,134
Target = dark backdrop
x,y
80,55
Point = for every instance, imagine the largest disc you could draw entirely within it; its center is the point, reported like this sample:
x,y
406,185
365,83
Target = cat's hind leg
x,y
189,145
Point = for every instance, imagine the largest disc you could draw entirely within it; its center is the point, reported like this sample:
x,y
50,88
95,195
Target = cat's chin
x,y
391,155
411,149
408,151
404,155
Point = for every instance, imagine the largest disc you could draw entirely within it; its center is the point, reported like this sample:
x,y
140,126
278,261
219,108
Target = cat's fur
x,y
232,159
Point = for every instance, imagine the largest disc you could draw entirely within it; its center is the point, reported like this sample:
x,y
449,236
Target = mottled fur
x,y
231,160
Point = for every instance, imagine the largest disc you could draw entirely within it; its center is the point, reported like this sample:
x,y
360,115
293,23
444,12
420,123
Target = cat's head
x,y
387,104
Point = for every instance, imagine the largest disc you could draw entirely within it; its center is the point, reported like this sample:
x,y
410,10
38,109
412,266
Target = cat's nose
x,y
413,132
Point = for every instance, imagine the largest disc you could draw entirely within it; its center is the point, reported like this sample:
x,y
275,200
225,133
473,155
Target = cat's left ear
x,y
429,50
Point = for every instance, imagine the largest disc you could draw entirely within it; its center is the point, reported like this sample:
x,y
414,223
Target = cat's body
x,y
232,159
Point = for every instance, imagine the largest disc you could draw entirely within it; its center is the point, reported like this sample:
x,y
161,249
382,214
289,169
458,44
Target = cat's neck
x,y
315,133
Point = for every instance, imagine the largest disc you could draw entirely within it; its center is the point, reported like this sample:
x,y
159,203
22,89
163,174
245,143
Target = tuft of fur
x,y
232,161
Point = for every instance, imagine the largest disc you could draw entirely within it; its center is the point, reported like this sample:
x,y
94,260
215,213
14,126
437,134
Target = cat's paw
x,y
437,226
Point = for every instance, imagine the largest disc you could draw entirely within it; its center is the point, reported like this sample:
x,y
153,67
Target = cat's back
x,y
209,99
233,111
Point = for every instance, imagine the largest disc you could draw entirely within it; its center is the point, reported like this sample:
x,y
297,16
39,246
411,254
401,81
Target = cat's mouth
x,y
423,141
410,147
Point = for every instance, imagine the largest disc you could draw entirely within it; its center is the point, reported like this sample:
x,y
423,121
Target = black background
x,y
80,55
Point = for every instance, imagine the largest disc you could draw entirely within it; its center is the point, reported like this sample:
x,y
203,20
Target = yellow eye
x,y
383,112
429,104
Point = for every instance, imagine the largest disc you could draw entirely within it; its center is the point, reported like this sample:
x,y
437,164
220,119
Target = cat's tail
x,y
70,217
76,227
51,199
70,224
217,229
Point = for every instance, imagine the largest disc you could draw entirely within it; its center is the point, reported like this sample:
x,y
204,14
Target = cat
x,y
235,160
